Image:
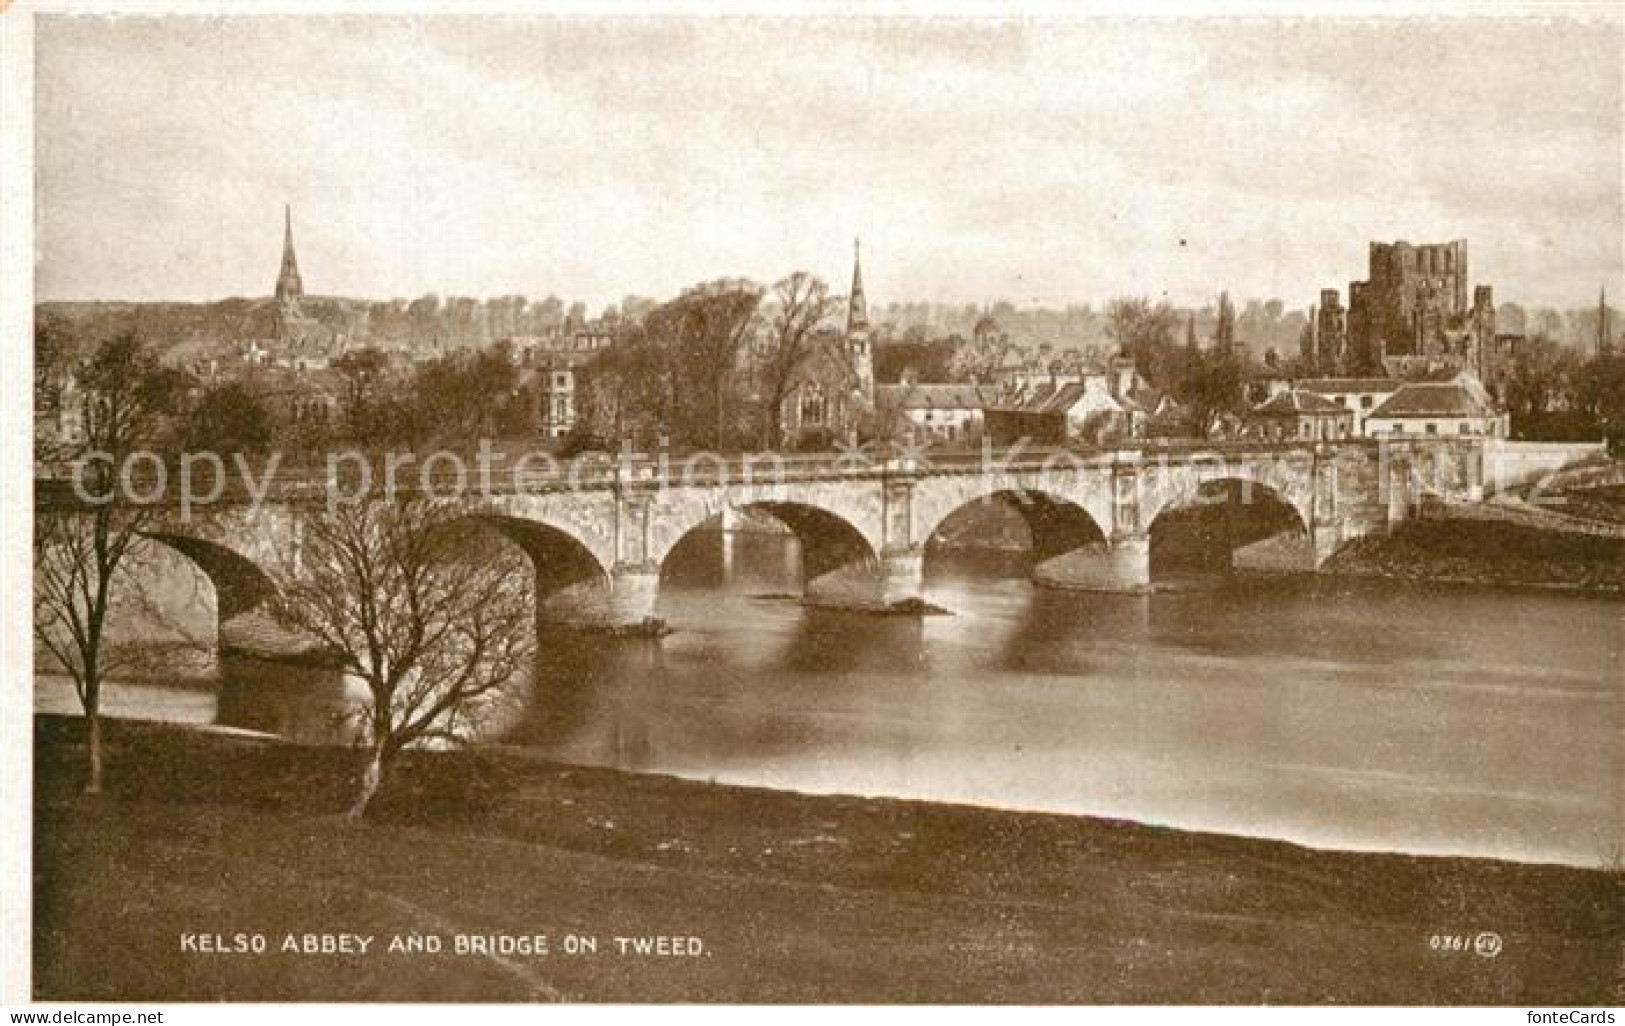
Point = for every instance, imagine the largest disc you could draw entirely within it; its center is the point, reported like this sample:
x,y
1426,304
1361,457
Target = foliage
x,y
372,411
1224,331
678,375
1208,387
1600,394
470,395
1540,378
229,417
1144,332
914,355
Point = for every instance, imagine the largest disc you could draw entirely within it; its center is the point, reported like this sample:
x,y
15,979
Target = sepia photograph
x,y
822,505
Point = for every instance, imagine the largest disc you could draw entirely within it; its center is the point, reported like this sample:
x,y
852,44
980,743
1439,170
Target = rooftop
x,y
1297,400
1324,386
936,396
1428,399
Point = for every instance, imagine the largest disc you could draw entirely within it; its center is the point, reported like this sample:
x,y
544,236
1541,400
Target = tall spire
x,y
288,285
857,311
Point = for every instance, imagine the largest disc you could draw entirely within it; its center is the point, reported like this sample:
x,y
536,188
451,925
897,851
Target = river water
x,y
1361,715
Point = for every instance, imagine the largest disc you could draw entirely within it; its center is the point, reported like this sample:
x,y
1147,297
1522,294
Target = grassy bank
x,y
1487,552
794,898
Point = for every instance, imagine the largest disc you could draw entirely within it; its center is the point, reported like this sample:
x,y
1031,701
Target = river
x,y
1357,715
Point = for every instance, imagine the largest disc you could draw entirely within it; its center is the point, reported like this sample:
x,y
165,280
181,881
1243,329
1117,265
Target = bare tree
x,y
432,611
80,550
801,302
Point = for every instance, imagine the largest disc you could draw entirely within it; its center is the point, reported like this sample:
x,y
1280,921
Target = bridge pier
x,y
893,583
621,602
1122,564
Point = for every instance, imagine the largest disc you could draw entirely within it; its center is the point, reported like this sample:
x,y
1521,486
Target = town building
x,y
1360,396
1448,404
553,366
951,413
833,390
1105,401
59,412
1297,414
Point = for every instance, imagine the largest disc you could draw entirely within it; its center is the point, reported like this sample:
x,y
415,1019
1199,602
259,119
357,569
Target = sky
x,y
1035,160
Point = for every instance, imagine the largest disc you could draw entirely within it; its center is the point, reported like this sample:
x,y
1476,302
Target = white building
x,y
1359,395
1457,407
942,413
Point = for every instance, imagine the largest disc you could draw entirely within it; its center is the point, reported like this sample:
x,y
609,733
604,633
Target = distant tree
x,y
636,308
466,396
229,417
130,401
1211,386
798,305
916,355
1548,322
703,334
364,373
433,613
1144,332
1539,378
1224,333
1307,357
1600,395
625,394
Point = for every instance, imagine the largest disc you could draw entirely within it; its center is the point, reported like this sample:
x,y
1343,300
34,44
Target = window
x,y
1365,402
1433,428
1463,429
813,406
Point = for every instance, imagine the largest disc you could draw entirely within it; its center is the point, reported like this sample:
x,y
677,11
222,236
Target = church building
x,y
834,389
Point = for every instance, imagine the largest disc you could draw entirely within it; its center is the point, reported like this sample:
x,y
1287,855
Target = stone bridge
x,y
598,540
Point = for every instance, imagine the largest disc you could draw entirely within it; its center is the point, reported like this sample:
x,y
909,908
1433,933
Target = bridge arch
x,y
1288,477
1213,527
561,560
174,600
1055,525
830,542
240,584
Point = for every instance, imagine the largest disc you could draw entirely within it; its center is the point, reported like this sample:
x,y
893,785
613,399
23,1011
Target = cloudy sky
x,y
1032,160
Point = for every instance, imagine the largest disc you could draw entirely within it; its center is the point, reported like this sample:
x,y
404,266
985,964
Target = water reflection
x,y
307,704
1349,715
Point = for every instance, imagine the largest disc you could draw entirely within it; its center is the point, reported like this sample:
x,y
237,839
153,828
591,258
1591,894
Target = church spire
x,y
857,311
288,285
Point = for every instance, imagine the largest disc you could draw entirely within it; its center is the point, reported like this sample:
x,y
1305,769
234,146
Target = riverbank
x,y
1487,553
792,897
